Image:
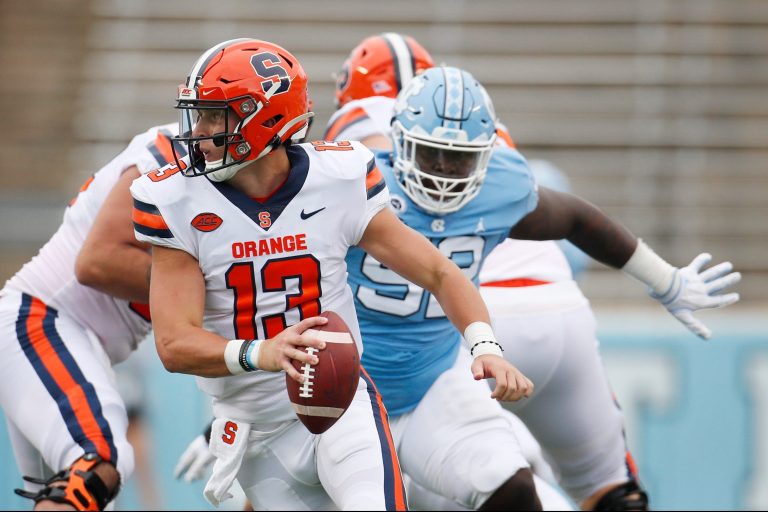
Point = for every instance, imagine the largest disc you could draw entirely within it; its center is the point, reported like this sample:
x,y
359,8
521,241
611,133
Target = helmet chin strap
x,y
225,173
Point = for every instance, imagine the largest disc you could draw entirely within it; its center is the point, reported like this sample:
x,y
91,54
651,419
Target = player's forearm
x,y
603,238
191,350
565,216
120,271
460,299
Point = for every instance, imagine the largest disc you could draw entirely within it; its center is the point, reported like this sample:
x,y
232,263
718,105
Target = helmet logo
x,y
343,78
267,65
186,93
413,88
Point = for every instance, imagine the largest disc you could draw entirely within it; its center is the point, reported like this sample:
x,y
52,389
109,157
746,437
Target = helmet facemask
x,y
236,114
193,111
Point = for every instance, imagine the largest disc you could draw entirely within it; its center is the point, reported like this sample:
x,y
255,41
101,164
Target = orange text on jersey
x,y
267,246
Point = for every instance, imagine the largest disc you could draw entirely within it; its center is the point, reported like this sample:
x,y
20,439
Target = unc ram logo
x,y
438,225
413,88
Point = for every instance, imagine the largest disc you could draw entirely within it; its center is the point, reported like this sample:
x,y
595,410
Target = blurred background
x,y
656,110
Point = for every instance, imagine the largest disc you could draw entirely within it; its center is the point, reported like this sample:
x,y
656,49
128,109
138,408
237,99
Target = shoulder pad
x,y
162,186
343,159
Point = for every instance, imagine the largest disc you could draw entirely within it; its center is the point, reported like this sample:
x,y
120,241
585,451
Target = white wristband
x,y
649,268
481,340
238,356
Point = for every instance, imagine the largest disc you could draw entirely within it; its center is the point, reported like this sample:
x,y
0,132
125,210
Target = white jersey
x,y
359,119
267,263
50,275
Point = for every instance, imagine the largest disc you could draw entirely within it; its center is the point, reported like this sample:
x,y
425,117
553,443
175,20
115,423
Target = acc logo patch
x,y
207,222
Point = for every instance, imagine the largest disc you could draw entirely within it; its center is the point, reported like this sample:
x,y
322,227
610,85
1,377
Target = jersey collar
x,y
279,200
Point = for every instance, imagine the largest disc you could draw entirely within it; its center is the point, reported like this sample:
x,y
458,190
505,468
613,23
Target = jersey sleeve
x,y
376,195
361,119
520,187
149,225
352,124
157,150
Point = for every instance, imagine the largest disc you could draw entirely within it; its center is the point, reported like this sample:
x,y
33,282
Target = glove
x,y
194,461
693,289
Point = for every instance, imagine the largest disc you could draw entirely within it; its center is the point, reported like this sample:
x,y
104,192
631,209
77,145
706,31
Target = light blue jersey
x,y
408,339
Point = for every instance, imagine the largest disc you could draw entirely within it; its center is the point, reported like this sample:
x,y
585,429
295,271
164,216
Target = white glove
x,y
194,461
693,289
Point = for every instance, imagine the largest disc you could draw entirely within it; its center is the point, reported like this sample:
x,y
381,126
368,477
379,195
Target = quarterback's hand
x,y
511,384
275,354
194,461
693,289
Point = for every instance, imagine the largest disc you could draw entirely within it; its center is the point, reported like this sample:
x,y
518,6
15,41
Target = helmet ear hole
x,y
272,121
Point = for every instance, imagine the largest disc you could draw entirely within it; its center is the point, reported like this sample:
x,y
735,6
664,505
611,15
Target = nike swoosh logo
x,y
305,216
206,93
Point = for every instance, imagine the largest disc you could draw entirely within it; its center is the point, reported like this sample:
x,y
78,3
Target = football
x,y
331,384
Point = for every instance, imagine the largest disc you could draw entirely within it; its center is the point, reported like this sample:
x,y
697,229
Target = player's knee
x,y
90,483
517,493
628,496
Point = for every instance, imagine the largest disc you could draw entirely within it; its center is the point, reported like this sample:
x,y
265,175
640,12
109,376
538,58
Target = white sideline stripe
x,y
311,410
330,337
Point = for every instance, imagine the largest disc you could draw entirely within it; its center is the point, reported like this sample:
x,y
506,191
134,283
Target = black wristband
x,y
472,350
242,358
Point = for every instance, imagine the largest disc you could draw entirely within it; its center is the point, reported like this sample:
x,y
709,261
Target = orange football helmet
x,y
380,65
259,83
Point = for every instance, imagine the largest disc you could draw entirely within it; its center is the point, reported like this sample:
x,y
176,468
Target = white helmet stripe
x,y
454,98
403,59
205,59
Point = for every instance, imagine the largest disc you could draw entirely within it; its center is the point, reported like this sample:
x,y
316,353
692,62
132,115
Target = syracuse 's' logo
x,y
265,220
207,221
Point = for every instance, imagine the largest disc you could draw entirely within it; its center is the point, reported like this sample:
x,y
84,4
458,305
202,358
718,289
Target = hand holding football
x,y
330,385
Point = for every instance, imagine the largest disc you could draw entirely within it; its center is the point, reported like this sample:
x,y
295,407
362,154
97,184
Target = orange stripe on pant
x,y
631,466
515,283
73,391
400,503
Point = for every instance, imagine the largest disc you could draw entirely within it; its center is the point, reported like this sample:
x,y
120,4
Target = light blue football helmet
x,y
443,132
